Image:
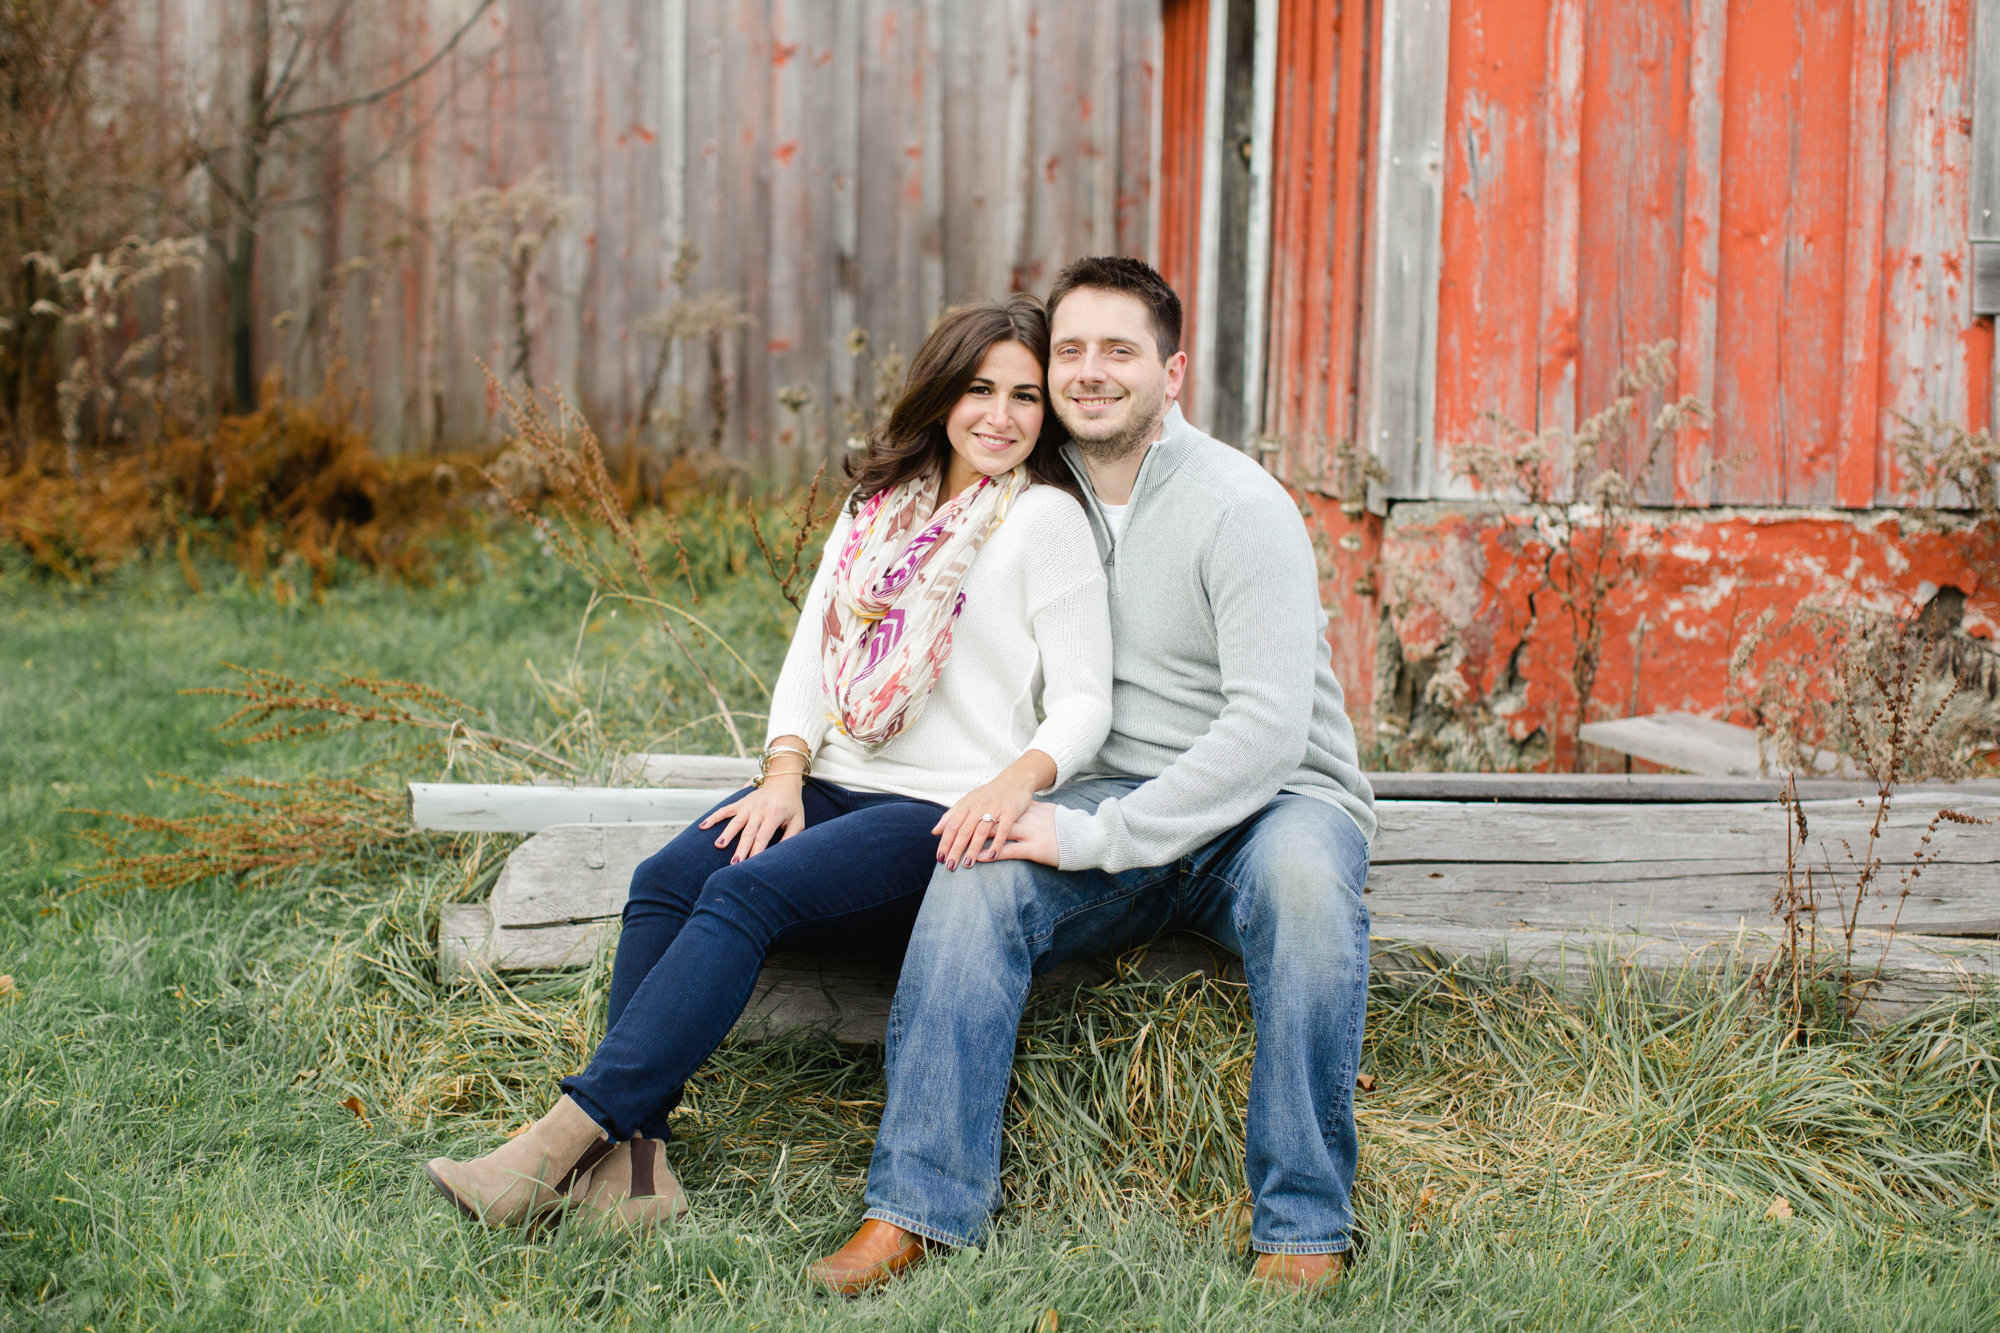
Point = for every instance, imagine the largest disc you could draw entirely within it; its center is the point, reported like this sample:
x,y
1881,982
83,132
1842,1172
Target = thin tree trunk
x,y
242,268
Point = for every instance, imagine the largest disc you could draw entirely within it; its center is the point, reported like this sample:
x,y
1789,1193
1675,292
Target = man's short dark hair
x,y
1134,277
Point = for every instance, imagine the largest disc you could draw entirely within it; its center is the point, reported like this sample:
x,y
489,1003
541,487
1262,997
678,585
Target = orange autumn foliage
x,y
292,476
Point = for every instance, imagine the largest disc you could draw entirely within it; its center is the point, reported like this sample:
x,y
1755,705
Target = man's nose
x,y
1092,367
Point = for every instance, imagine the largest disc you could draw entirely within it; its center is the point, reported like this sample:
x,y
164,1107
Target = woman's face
x,y
995,424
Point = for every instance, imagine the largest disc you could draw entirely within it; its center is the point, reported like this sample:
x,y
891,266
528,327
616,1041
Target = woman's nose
x,y
1001,412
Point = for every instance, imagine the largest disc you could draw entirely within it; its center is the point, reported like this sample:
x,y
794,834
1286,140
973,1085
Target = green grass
x,y
174,1151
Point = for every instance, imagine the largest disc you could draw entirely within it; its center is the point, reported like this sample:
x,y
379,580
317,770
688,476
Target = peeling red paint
x,y
1461,574
784,152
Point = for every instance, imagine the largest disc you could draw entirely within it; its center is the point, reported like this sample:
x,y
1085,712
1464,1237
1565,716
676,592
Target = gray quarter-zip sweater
x,y
1222,686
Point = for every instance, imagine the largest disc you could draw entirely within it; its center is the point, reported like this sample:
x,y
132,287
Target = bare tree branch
x,y
391,89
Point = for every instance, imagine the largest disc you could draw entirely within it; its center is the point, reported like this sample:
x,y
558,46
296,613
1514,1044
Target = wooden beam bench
x,y
1551,874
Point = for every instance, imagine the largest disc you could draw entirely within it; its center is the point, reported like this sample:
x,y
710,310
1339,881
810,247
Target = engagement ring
x,y
989,819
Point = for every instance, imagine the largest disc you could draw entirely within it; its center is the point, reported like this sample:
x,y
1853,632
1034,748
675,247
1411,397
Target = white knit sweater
x,y
1034,628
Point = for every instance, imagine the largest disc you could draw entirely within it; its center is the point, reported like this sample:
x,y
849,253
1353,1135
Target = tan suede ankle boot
x,y
530,1176
630,1187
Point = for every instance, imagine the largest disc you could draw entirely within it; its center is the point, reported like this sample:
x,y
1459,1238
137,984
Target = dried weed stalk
x,y
1582,503
794,572
706,320
270,699
263,829
1869,688
564,452
863,412
504,232
90,302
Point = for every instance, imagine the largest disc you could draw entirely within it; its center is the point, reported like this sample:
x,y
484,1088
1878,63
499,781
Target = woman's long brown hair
x,y
912,441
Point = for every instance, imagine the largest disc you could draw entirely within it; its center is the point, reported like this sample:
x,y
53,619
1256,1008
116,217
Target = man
x,y
1228,801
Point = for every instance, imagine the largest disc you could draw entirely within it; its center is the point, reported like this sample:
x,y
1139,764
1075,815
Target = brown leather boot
x,y
631,1187
1299,1272
878,1254
527,1178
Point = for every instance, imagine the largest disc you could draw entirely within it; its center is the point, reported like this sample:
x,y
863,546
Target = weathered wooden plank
x,y
1489,286
1949,899
1562,218
1702,745
574,873
1633,157
1758,147
722,772
1436,833
466,807
987,178
1815,273
1198,390
1616,788
1295,400
1915,971
1861,295
1596,861
1257,260
1183,132
1983,190
1138,139
1401,354
1935,358
1701,223
850,999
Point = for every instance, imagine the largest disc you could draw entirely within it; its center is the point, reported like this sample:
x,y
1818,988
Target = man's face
x,y
1105,374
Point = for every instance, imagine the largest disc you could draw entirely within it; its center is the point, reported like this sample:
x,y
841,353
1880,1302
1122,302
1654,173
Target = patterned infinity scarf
x,y
895,595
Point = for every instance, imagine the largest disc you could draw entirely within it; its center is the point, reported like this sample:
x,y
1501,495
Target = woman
x,y
959,583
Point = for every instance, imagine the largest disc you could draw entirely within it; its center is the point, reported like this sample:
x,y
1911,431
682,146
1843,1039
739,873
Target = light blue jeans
x,y
1282,890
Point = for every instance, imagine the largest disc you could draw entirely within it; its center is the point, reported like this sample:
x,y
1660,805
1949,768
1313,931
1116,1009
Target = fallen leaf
x,y
1365,1082
8,990
1779,1209
1048,1324
1425,1195
354,1104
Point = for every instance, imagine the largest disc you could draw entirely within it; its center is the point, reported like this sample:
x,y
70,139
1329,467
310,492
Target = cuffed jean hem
x,y
591,1109
1303,1247
927,1232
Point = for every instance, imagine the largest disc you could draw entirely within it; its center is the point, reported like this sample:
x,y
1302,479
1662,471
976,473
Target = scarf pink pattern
x,y
895,595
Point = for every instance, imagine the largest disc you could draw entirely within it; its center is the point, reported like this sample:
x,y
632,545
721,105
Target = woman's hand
x,y
964,831
775,809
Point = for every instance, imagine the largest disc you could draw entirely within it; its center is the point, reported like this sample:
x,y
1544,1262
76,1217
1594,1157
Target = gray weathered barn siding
x,y
837,164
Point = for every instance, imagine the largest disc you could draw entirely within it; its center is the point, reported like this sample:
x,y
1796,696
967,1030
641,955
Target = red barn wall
x,y
1779,186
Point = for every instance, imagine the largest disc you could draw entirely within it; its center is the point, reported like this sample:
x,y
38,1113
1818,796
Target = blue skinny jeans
x,y
1282,890
696,930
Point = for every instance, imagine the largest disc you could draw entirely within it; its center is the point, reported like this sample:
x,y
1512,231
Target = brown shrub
x,y
292,476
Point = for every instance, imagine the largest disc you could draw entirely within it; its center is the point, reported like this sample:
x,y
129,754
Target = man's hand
x,y
1033,838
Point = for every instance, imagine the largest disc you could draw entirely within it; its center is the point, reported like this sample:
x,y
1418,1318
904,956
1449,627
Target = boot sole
x,y
452,1194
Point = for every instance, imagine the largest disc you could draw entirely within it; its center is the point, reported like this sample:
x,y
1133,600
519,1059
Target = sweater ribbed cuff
x,y
1080,840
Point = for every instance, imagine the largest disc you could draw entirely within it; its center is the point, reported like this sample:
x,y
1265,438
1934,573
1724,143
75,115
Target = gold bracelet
x,y
771,752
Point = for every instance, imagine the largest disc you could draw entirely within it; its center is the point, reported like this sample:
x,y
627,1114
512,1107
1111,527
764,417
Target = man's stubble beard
x,y
1125,443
